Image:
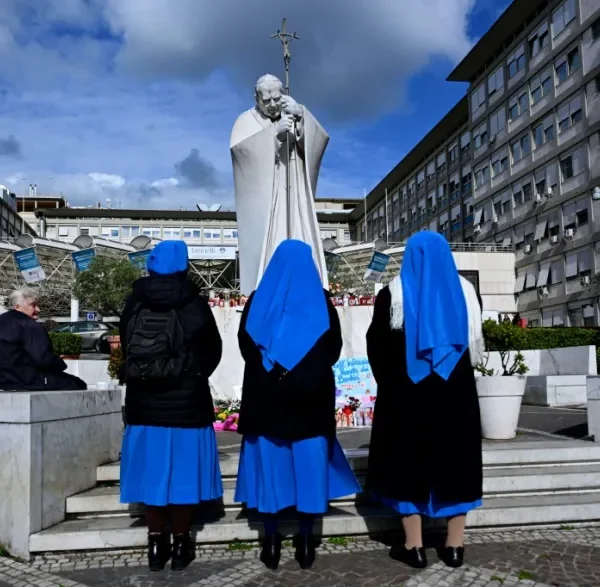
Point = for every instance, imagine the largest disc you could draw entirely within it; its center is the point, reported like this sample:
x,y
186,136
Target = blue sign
x,y
354,378
83,258
29,265
140,258
377,267
90,316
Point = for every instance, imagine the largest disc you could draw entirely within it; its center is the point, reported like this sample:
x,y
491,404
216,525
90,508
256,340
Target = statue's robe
x,y
260,163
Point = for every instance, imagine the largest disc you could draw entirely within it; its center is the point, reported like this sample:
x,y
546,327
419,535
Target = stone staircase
x,y
525,483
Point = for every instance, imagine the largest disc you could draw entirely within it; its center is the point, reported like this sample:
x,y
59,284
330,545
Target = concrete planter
x,y
500,404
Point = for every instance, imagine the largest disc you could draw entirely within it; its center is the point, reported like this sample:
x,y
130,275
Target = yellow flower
x,y
222,416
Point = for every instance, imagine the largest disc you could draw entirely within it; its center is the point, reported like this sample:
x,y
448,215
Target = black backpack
x,y
155,346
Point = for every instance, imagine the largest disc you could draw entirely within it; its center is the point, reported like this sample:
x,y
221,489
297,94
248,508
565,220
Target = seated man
x,y
26,358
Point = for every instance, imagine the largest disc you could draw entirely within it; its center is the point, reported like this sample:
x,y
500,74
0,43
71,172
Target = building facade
x,y
517,161
11,223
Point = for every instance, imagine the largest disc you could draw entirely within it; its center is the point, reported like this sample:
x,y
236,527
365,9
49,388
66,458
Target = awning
x,y
543,275
540,230
520,283
478,215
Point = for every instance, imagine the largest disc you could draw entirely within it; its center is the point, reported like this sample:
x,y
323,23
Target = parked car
x,y
93,334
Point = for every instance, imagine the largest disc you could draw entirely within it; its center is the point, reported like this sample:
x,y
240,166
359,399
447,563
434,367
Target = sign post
x,y
83,258
377,267
140,258
29,265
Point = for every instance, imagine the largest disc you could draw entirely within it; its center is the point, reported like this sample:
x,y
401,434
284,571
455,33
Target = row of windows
x,y
580,315
536,42
131,231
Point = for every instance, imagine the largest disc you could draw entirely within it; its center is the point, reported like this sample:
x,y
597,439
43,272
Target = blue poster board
x,y
140,258
377,267
83,258
29,265
354,378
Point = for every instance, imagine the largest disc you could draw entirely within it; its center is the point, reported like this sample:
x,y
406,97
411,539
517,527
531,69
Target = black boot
x,y
271,551
415,557
184,551
159,551
305,550
452,556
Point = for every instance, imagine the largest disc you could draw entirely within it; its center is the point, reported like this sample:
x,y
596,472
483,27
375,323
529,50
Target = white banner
x,y
208,253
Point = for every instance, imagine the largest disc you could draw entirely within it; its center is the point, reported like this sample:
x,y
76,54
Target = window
x,y
572,164
478,98
411,187
516,61
502,204
569,216
212,234
583,316
496,81
553,224
579,264
430,169
522,193
62,230
130,231
523,236
562,16
553,317
230,234
581,212
453,152
570,113
442,192
466,180
518,104
499,162
538,40
420,179
482,175
595,30
84,231
480,137
497,121
567,64
441,161
520,148
545,178
465,141
431,201
454,187
543,132
541,86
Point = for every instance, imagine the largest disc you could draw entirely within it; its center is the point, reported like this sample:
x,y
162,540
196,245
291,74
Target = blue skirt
x,y
431,509
162,466
277,474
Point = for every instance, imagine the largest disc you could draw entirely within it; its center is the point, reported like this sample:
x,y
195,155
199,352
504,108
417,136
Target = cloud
x,y
10,147
197,172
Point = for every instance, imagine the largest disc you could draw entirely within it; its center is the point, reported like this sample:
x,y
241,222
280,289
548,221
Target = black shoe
x,y
271,551
415,557
184,551
305,550
159,551
452,556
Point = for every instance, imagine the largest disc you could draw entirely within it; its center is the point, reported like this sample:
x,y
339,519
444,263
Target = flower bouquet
x,y
227,415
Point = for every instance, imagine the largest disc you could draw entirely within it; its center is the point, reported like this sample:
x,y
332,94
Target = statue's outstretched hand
x,y
290,106
284,126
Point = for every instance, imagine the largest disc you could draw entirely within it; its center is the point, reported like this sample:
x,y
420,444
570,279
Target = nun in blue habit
x,y
425,453
290,338
169,459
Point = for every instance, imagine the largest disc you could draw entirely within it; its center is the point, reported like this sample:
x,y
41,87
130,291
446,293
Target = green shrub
x,y
49,325
508,340
115,363
65,343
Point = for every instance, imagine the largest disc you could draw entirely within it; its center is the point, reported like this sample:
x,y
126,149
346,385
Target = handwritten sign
x,y
353,378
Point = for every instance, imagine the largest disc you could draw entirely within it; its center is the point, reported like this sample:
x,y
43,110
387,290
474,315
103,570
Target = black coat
x,y
191,405
302,404
26,358
426,437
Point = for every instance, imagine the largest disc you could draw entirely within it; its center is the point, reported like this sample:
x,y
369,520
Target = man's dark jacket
x,y
26,358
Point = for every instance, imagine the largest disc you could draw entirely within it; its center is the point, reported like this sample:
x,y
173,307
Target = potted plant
x,y
114,340
66,345
501,391
115,363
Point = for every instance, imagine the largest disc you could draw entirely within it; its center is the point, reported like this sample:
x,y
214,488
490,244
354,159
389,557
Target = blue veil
x,y
435,311
168,257
288,313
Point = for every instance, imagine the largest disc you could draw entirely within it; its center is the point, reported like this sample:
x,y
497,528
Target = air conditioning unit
x,y
495,220
585,280
492,139
549,192
554,239
477,228
543,291
538,199
527,249
569,234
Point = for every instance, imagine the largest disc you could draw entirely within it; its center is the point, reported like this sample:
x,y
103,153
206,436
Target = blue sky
x,y
134,100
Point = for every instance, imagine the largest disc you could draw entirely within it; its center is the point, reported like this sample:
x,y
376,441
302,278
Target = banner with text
x,y
83,258
29,265
140,258
377,267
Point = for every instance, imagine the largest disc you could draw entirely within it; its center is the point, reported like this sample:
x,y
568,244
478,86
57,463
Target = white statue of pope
x,y
259,152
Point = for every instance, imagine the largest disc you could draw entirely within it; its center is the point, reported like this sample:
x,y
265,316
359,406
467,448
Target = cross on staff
x,y
286,40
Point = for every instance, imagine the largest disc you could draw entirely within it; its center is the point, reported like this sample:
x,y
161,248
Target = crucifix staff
x,y
286,41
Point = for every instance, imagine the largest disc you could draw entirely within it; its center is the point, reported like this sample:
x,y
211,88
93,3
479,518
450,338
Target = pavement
x,y
562,557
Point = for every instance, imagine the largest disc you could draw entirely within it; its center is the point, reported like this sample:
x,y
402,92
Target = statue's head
x,y
268,92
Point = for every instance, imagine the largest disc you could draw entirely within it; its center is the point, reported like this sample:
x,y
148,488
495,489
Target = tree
x,y
105,285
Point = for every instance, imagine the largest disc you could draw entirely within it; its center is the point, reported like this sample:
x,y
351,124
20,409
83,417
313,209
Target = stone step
x,y
501,454
497,482
111,533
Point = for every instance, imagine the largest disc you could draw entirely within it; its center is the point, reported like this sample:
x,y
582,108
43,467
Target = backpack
x,y
155,346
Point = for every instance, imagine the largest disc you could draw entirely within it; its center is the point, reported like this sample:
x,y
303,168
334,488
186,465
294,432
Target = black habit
x,y
426,437
292,405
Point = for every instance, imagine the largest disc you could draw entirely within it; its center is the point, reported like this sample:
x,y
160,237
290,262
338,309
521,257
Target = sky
x,y
133,101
